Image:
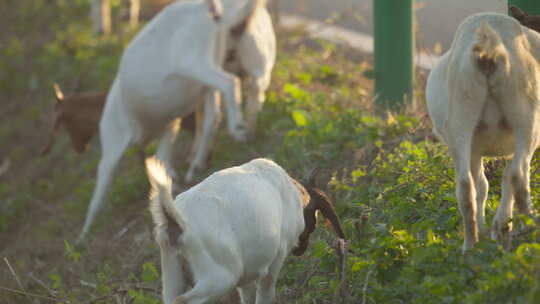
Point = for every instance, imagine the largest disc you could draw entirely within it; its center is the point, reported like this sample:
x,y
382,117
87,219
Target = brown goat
x,y
80,114
532,22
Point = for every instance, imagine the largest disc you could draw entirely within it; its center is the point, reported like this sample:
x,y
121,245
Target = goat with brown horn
x,y
259,212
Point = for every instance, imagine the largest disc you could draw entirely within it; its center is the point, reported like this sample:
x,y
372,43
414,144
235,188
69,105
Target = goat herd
x,y
231,232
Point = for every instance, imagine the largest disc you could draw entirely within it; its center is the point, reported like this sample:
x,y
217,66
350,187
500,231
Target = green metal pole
x,y
528,6
394,51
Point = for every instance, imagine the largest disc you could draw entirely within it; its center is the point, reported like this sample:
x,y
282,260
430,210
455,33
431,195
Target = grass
x,y
393,189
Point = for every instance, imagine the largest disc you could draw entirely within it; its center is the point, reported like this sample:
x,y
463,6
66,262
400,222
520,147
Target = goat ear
x,y
310,221
58,92
517,13
310,179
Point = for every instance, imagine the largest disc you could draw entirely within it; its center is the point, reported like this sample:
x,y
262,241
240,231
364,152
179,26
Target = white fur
x,y
255,53
162,72
237,226
477,115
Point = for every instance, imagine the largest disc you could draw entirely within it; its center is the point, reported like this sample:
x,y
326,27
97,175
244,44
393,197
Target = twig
x,y
28,294
364,290
523,232
14,274
125,229
341,250
40,282
88,284
104,297
5,166
309,275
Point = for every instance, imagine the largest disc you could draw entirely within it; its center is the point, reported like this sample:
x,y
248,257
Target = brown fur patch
x,y
503,124
486,64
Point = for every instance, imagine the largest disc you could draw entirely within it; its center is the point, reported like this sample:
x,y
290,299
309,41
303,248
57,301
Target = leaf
x,y
316,280
150,273
294,91
71,252
300,118
319,249
358,173
56,279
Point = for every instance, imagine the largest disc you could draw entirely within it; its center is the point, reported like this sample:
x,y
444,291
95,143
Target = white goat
x,y
483,98
252,46
233,230
162,72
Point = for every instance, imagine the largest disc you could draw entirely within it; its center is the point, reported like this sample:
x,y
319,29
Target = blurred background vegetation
x,y
392,187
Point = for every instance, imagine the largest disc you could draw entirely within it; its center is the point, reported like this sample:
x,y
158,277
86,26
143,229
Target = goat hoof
x,y
500,233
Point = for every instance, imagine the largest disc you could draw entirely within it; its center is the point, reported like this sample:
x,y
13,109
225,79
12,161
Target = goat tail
x,y
216,9
488,50
169,223
241,13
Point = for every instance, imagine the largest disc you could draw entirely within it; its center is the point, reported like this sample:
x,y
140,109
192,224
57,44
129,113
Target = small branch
x,y
40,282
28,294
309,275
103,297
341,250
125,229
14,274
524,231
5,166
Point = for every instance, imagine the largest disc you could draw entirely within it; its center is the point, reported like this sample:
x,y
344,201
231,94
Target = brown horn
x,y
327,210
58,92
